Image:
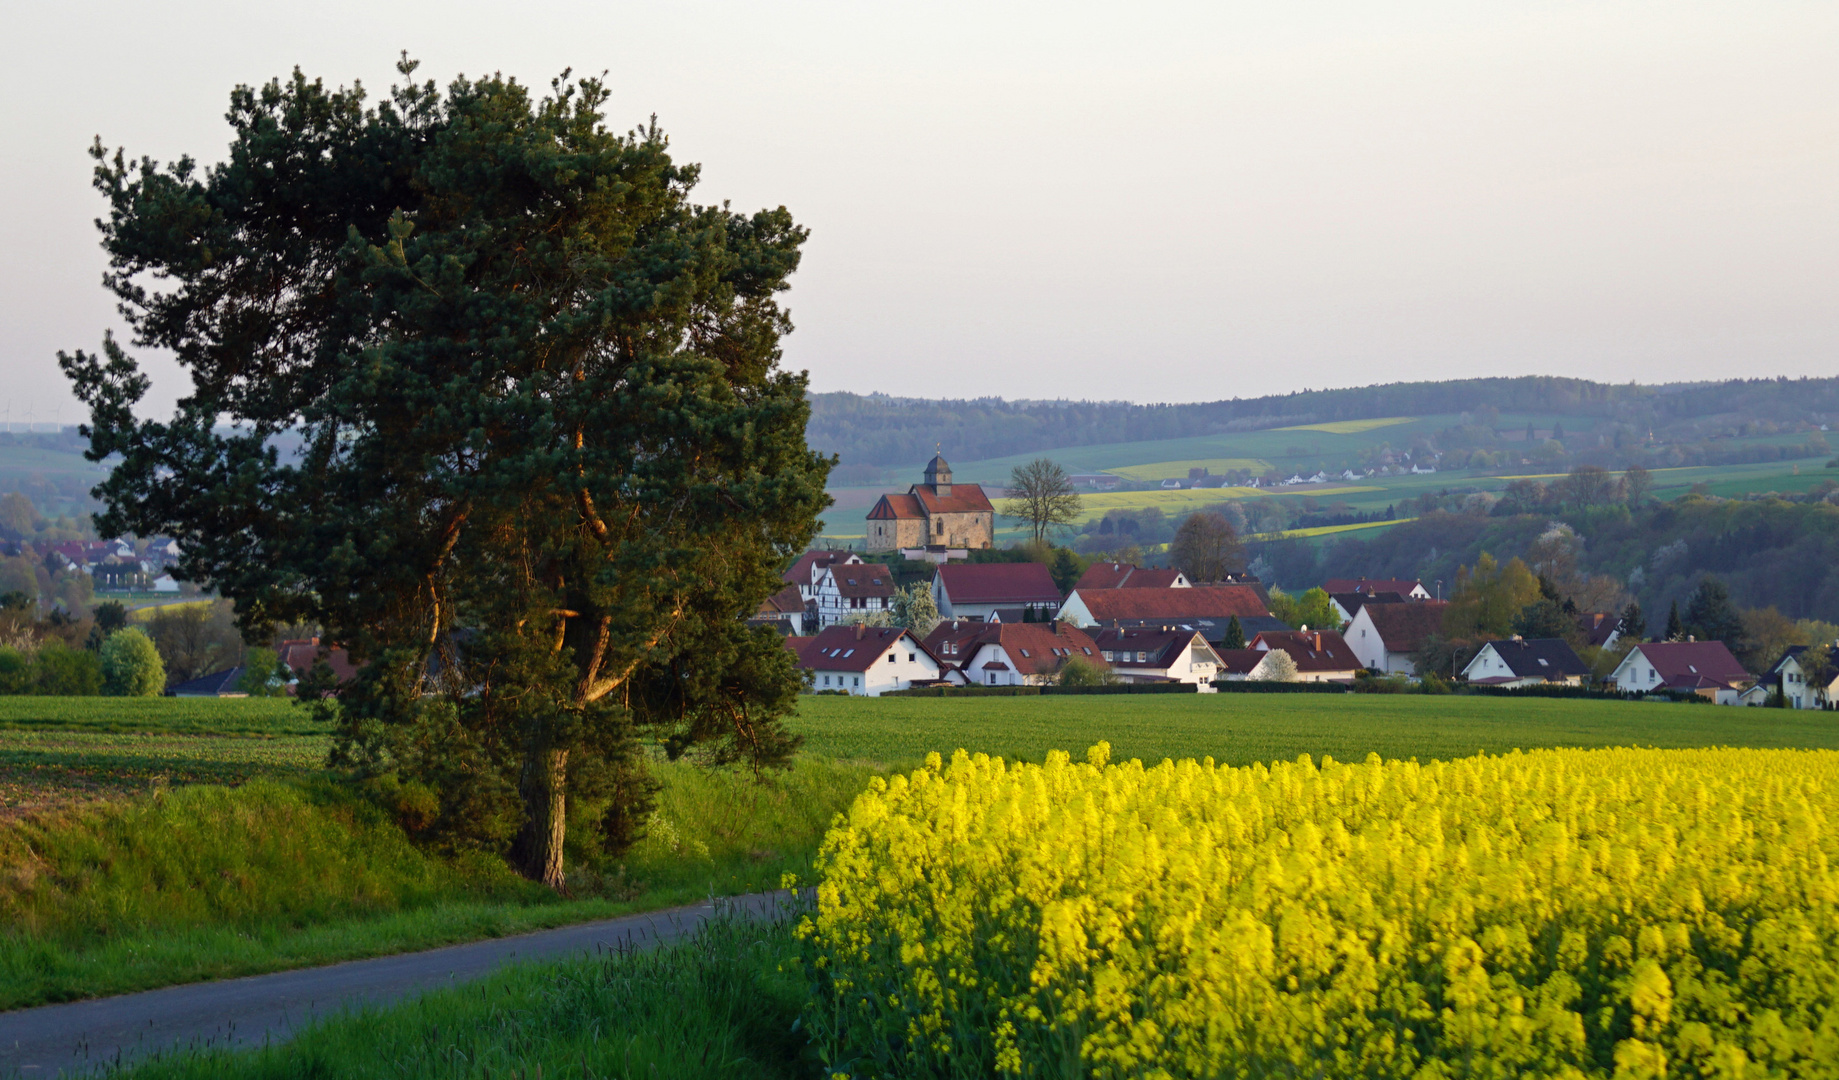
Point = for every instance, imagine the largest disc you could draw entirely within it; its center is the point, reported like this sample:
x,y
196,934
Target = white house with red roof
x,y
934,513
1705,668
1388,637
1152,656
980,590
866,661
1320,655
1011,654
810,567
858,588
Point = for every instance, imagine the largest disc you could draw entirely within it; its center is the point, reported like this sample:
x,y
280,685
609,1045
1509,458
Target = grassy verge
x,y
210,882
722,1004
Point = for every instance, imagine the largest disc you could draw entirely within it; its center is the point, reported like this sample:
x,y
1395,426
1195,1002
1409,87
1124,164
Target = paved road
x,y
68,1039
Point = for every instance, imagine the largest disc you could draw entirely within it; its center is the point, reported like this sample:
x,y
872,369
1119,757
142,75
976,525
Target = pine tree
x,y
1633,624
1235,635
1675,631
547,458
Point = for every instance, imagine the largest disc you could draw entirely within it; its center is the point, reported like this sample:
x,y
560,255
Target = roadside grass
x,y
724,1003
1239,729
206,881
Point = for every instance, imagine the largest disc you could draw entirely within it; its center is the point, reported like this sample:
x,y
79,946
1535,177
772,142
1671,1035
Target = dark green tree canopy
x,y
547,460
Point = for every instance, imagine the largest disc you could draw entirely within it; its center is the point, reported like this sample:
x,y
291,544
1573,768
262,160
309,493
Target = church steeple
x,y
938,475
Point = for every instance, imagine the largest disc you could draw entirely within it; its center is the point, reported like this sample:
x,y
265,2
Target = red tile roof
x,y
1369,585
1123,575
797,644
964,499
800,571
1598,628
868,579
1693,664
893,507
1402,628
1312,650
999,583
1040,648
852,648
784,602
1162,648
1239,661
1200,602
955,644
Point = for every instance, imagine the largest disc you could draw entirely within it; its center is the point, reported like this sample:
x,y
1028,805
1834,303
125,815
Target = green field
x,y
1239,729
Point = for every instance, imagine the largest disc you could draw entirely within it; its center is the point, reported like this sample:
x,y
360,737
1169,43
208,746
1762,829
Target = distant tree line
x,y
875,432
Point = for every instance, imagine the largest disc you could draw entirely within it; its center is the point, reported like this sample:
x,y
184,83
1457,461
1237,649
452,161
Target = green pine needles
x,y
547,459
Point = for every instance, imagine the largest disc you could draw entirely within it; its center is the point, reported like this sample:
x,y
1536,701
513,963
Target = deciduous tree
x,y
1207,548
548,461
1041,495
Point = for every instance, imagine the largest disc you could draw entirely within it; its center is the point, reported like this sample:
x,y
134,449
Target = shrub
x,y
1080,672
62,670
131,666
15,671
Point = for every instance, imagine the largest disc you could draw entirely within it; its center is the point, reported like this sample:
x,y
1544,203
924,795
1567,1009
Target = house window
x,y
892,658
858,680
911,657
826,680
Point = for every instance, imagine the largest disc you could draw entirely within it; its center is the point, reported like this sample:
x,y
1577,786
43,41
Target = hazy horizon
x,y
1180,203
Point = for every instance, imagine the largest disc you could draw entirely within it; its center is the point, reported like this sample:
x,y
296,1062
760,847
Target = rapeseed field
x,y
1564,913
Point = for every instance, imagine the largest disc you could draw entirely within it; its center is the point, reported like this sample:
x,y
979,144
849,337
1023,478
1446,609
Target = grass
x,y
1239,729
724,1003
129,863
1353,427
1178,470
1185,499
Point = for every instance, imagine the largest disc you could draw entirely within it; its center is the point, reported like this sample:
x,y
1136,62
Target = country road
x,y
71,1039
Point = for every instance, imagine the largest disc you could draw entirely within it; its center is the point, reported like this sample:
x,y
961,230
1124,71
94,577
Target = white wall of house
x,y
895,669
1370,649
1635,674
1195,664
1074,610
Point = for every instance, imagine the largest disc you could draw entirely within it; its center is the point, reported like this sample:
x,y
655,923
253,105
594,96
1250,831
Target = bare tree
x,y
1041,495
1207,547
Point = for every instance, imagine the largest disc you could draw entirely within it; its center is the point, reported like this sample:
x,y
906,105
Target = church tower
x,y
938,476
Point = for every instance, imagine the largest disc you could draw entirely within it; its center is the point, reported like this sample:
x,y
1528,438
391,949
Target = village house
x,y
866,661
810,567
1386,638
1410,590
784,611
1320,655
1005,591
1012,654
1207,609
852,589
1705,668
935,513
1159,656
1789,678
1600,629
1518,662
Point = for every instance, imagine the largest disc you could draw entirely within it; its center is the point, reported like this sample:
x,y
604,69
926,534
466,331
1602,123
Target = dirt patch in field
x,y
26,791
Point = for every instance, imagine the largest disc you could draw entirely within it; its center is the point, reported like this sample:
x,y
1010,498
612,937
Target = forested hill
x,y
879,430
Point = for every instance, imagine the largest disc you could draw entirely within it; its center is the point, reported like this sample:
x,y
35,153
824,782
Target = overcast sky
x,y
1156,202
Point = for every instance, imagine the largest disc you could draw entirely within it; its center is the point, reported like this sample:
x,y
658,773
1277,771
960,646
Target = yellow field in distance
x,y
1352,427
1178,470
1328,530
1186,499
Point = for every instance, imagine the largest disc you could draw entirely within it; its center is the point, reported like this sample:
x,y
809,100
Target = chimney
x,y
1690,637
861,629
1318,641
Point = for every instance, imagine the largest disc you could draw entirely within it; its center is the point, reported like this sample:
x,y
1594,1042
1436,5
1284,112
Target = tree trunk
x,y
545,791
